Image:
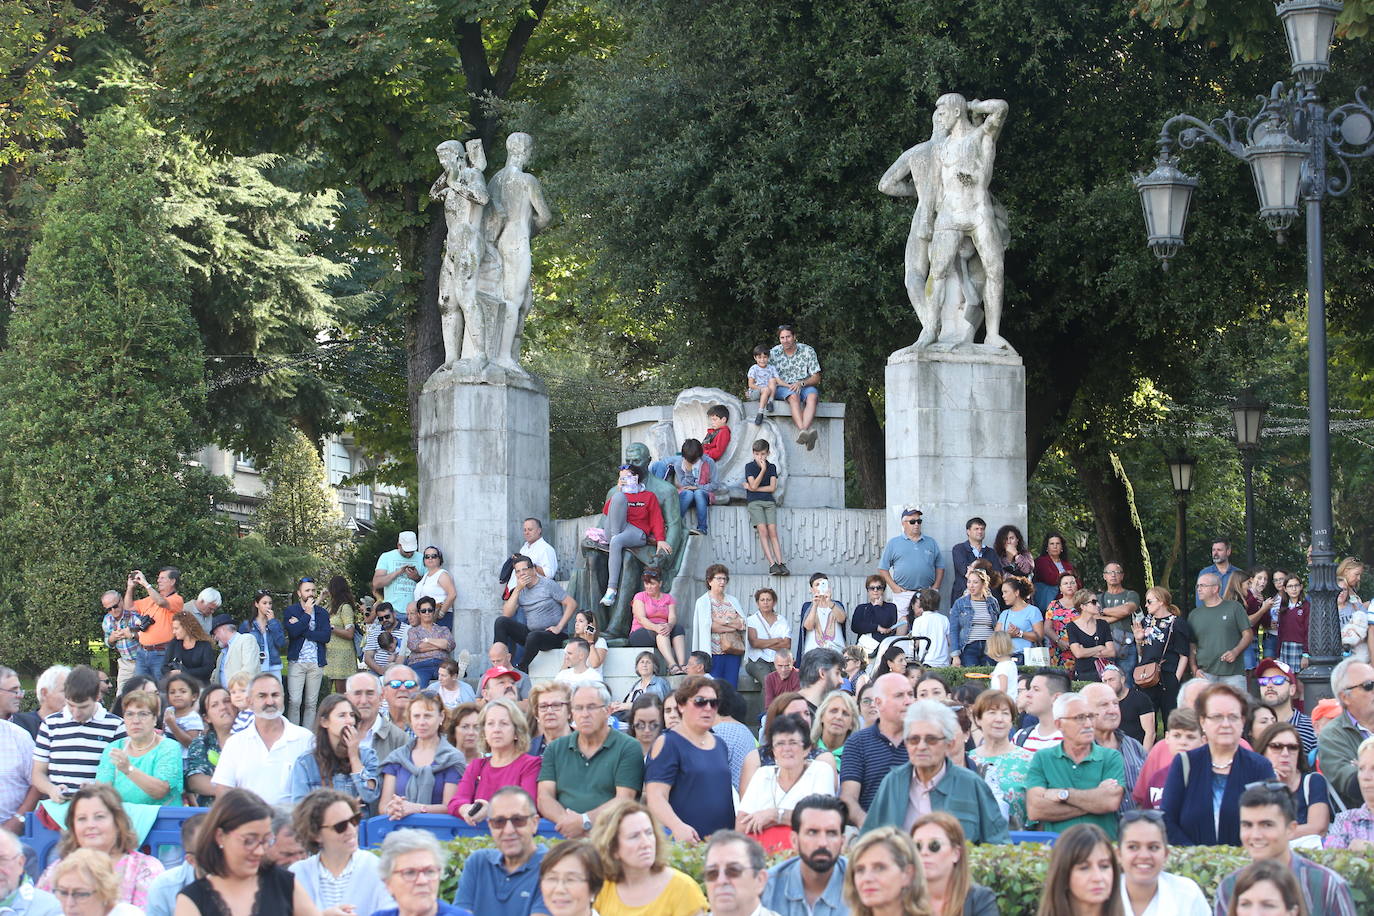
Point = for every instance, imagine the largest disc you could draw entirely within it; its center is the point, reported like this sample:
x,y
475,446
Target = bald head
x,y
892,695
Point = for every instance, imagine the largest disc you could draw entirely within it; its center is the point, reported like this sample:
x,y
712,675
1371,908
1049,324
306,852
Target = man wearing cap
x,y
120,635
501,682
397,572
911,561
205,606
237,651
498,656
1276,681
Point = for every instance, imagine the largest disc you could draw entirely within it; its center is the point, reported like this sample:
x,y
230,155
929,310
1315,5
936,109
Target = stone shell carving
x,y
689,422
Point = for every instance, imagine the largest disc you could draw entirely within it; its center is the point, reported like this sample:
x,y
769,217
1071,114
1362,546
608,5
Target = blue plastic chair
x,y
1033,836
444,826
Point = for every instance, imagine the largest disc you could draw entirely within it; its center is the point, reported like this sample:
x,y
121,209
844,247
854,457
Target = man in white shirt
x,y
575,670
260,758
537,549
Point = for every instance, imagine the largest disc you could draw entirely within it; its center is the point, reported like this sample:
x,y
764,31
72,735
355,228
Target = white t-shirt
x,y
781,629
246,762
935,627
1005,668
543,555
764,792
1175,896
569,676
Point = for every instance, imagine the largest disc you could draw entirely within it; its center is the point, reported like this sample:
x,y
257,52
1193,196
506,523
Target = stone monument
x,y
956,409
483,420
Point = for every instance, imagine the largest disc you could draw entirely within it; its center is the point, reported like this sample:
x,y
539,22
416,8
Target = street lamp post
x,y
1248,413
1288,145
1181,467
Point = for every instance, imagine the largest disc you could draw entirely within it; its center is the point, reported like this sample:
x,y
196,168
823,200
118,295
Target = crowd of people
x,y
869,774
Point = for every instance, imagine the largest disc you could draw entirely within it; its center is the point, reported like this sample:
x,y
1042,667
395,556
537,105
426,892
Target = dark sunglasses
x,y
384,618
517,821
732,871
341,826
1138,814
429,610
1272,681
1291,748
408,685
1266,784
1367,687
933,847
431,556
700,702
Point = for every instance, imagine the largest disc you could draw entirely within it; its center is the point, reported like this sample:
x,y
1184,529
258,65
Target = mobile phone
x,y
822,586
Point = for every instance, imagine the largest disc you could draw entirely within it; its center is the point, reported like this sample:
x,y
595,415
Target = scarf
x,y
420,788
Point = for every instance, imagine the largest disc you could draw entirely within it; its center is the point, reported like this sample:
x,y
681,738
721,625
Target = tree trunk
x,y
866,447
1120,537
424,336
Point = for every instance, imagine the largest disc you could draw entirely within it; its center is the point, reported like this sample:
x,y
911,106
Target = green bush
x,y
955,677
1016,874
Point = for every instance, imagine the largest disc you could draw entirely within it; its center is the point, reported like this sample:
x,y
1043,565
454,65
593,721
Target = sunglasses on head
x,y
1139,814
341,826
407,684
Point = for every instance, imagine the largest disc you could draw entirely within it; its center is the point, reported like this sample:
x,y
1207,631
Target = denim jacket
x,y
961,620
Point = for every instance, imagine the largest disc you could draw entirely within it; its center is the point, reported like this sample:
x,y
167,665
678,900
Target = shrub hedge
x,y
1016,874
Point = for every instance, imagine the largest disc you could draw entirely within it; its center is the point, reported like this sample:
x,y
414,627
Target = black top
x,y
1172,645
276,889
1085,669
751,470
1133,707
197,661
868,617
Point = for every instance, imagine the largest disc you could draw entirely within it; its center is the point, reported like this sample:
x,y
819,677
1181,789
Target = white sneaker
x,y
608,599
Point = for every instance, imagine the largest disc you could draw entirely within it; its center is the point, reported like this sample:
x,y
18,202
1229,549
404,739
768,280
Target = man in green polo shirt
x,y
1075,781
585,771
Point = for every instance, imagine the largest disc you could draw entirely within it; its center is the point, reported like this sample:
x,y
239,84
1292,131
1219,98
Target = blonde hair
x,y
999,645
95,867
241,679
980,574
517,718
915,897
537,693
835,696
606,837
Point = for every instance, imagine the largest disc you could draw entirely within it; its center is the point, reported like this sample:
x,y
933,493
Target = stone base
x,y
484,468
956,441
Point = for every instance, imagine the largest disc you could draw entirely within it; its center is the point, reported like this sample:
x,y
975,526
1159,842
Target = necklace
x,y
136,751
1222,766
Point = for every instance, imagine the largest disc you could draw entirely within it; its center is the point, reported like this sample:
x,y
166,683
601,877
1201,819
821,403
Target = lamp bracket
x,y
1235,133
1349,135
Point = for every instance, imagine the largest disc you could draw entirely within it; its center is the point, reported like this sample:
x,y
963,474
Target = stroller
x,y
916,649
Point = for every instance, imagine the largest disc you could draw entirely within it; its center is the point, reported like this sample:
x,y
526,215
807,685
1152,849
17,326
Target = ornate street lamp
x,y
1247,412
1164,196
1181,467
1288,144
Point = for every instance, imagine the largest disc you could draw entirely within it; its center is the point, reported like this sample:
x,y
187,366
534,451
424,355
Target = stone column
x,y
956,442
484,468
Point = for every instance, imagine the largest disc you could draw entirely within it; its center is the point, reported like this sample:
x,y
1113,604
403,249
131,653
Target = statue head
x,y
637,453
450,154
519,146
477,156
951,110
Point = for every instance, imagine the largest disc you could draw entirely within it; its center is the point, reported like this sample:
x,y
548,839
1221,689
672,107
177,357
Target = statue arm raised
x,y
436,190
994,112
898,181
474,187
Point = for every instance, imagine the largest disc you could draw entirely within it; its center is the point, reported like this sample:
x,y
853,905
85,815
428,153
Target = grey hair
x,y
281,817
758,860
210,596
7,672
405,841
1189,684
1061,704
1338,678
934,713
47,681
394,666
603,693
372,674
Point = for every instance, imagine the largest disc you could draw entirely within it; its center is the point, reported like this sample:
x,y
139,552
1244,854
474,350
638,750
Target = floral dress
x,y
134,871
1006,775
1059,617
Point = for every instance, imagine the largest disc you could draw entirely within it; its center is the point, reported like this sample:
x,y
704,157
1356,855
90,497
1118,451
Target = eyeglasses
x,y
701,702
551,707
928,740
1290,748
732,871
518,821
342,826
253,841
1272,681
76,896
1084,719
648,726
1230,718
581,709
407,684
563,880
137,714
787,745
1367,687
876,588
17,691
1092,601
414,875
933,847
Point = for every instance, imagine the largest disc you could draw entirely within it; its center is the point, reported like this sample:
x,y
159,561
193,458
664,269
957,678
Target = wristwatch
x,y
1063,795
586,823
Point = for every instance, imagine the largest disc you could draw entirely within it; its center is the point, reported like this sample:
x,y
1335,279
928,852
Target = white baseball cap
x,y
408,541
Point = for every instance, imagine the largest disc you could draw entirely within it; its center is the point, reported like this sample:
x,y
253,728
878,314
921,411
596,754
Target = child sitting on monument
x,y
717,438
760,483
763,381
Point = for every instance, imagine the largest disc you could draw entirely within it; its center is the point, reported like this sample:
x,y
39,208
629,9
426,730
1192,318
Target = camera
x,y
141,623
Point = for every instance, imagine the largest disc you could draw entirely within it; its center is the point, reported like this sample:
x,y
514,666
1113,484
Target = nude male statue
x,y
463,191
949,175
521,197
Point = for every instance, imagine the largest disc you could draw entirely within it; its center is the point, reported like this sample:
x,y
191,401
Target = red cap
x,y
1328,708
499,671
1267,664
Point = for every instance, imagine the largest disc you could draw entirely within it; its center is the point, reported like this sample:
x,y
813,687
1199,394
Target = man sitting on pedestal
x,y
547,610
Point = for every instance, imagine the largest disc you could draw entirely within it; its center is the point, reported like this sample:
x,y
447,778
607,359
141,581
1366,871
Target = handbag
x,y
1148,674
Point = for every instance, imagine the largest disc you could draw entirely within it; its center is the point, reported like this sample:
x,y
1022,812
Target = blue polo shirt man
x,y
911,560
505,881
812,882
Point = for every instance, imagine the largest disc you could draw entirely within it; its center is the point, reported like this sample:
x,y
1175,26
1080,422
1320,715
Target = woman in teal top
x,y
836,719
144,768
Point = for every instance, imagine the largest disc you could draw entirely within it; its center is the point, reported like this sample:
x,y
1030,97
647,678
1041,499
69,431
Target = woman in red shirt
x,y
1052,563
633,518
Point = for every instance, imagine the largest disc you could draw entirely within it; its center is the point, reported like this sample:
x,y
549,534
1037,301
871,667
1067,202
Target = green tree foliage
x,y
100,397
400,515
36,37
299,511
1247,27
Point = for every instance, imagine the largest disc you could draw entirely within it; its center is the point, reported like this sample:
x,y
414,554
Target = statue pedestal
x,y
956,442
484,468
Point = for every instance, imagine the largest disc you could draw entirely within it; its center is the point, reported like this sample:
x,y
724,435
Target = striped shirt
x,y
982,622
1306,733
333,891
72,749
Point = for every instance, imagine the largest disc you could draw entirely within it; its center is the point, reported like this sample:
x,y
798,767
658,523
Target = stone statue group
x,y
954,253
484,282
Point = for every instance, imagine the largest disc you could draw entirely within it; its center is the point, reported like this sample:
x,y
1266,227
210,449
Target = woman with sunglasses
x,y
1281,745
437,583
237,879
1090,637
940,843
264,627
688,766
337,873
428,642
1146,888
